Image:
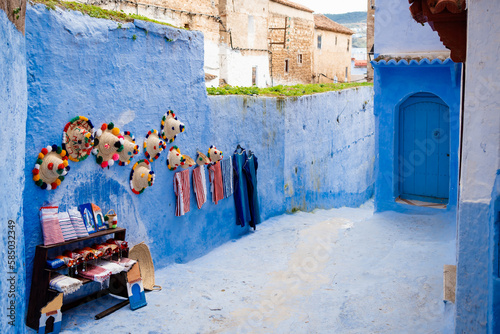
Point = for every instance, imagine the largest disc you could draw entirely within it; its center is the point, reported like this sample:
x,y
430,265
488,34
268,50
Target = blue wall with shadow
x,y
13,112
394,83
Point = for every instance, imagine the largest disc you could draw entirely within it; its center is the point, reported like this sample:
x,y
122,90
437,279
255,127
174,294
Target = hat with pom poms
x,y
202,159
130,148
175,158
170,126
141,176
78,138
187,162
51,167
107,145
153,145
214,154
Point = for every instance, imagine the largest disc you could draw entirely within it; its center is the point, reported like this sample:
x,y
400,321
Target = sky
x,y
334,6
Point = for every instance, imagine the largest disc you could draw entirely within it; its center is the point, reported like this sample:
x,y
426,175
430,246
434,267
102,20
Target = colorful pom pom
x,y
35,171
40,156
104,164
99,160
36,177
54,147
44,151
116,156
111,126
50,166
115,131
104,127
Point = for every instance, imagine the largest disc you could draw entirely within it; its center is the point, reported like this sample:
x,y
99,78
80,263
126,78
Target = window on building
x,y
299,58
348,42
254,75
286,66
319,41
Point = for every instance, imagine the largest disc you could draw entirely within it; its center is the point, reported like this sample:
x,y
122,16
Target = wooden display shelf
x,y
41,293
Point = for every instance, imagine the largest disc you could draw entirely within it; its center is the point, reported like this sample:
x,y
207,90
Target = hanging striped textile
x,y
182,189
66,227
227,176
215,176
200,185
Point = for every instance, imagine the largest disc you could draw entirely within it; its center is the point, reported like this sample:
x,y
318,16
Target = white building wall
x,y
397,33
236,68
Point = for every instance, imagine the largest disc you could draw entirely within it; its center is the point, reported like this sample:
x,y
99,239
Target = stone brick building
x,y
291,29
258,42
332,51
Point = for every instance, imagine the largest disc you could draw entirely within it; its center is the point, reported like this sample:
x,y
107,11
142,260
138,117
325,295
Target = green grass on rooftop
x,y
297,90
95,11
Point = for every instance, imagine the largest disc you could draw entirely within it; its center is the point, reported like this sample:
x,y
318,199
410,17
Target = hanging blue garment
x,y
240,188
250,170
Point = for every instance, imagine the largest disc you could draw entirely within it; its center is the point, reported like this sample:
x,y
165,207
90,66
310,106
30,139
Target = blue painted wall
x,y
478,280
78,65
393,84
13,108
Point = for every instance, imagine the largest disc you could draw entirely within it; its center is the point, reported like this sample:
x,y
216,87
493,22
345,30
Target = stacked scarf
x,y
65,284
113,267
77,222
67,228
51,229
126,263
182,189
215,176
200,185
95,273
227,176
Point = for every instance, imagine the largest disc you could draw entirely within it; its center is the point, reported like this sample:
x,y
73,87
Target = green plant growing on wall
x,y
119,26
134,37
16,12
280,90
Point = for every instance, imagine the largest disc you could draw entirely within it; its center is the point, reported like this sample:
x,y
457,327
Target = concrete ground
x,y
330,271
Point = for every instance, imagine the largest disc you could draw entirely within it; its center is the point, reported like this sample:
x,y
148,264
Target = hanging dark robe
x,y
250,170
240,188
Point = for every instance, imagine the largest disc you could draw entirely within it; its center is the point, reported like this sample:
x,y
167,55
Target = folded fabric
x,y
105,249
114,267
126,263
215,176
95,273
65,284
55,263
77,222
77,258
227,176
122,244
200,185
51,230
67,228
68,261
182,189
86,253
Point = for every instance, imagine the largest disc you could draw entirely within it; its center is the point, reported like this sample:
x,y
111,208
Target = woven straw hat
x,y
78,138
175,158
170,126
107,144
188,162
130,149
142,254
202,159
50,168
214,154
153,145
141,176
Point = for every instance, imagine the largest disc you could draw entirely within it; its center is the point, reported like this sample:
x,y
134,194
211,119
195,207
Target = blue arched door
x,y
424,149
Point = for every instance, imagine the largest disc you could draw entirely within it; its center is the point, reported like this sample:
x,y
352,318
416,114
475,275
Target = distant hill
x,y
352,17
356,21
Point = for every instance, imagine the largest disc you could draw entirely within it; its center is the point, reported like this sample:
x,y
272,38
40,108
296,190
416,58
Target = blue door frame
x,y
424,149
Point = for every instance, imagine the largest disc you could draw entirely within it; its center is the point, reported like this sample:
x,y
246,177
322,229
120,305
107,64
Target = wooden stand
x,y
41,294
